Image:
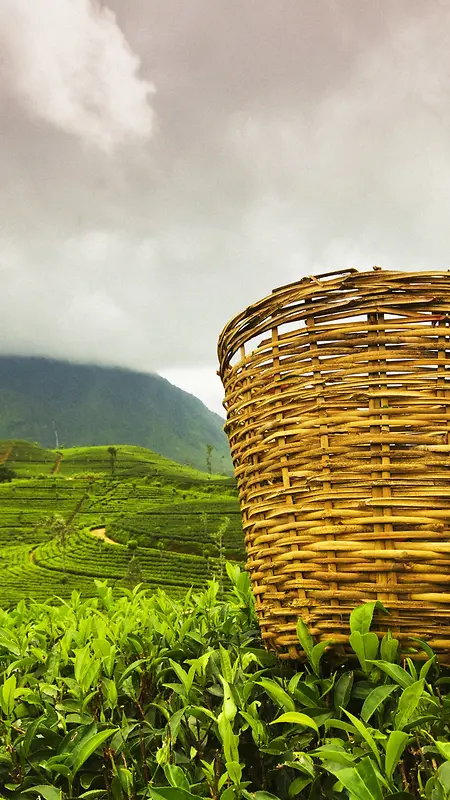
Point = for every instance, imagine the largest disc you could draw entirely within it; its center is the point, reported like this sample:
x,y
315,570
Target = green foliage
x,y
93,405
145,696
112,459
42,518
6,474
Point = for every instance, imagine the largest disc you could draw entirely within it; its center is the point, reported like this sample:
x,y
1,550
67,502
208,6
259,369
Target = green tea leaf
x,y
264,796
297,786
229,706
371,644
425,647
444,749
88,747
340,725
298,719
365,646
317,653
365,733
257,728
176,776
398,674
234,770
356,642
426,667
170,793
394,750
225,664
305,637
444,775
366,771
8,643
408,703
82,663
131,668
361,616
7,692
229,739
331,752
126,780
343,690
47,791
389,648
307,695
355,783
374,700
277,694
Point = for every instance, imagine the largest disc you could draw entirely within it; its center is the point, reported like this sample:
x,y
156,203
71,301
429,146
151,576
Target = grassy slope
x,y
172,511
91,405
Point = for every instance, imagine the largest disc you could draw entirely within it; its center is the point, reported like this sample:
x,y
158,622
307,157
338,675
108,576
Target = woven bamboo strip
x,y
338,416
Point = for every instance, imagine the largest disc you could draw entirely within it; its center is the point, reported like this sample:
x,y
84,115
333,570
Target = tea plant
x,y
145,696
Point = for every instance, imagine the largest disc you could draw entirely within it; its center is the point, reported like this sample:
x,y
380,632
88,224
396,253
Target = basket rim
x,y
240,328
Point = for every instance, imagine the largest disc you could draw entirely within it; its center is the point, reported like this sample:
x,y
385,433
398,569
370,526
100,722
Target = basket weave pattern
x,y
338,416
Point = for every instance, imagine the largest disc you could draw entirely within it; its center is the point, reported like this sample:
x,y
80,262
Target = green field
x,y
172,526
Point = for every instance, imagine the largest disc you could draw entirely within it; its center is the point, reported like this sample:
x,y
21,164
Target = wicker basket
x,y
337,392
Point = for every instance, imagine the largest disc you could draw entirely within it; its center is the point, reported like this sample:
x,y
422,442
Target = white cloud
x,y
70,65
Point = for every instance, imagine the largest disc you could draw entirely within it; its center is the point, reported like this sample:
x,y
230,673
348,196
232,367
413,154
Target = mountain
x,y
59,404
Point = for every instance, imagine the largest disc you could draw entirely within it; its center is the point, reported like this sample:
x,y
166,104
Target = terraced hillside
x,y
121,513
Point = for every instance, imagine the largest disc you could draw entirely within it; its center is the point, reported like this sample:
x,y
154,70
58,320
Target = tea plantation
x,y
111,689
124,513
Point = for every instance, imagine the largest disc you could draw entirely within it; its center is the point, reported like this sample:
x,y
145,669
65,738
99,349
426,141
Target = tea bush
x,y
147,696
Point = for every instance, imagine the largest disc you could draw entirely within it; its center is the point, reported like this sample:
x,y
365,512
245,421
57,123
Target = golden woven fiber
x,y
337,396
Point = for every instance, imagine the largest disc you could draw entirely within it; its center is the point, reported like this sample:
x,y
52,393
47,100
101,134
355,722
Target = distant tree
x,y
112,459
6,475
134,572
209,450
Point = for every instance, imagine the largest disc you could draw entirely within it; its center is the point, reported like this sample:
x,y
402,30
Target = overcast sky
x,y
164,163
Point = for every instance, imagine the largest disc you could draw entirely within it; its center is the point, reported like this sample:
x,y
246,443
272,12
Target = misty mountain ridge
x,y
62,404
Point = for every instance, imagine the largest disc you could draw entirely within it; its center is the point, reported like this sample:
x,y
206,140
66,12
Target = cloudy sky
x,y
164,163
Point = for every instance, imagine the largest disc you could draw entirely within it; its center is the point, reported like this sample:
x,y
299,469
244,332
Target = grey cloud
x,y
286,138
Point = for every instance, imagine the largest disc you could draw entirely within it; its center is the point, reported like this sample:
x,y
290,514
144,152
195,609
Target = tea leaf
x,y
361,616
170,793
277,694
365,733
374,700
398,674
298,719
389,648
361,782
305,637
176,777
408,702
47,791
343,690
88,747
394,750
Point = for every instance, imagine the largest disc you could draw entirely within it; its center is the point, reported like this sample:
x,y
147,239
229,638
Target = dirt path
x,y
56,465
100,533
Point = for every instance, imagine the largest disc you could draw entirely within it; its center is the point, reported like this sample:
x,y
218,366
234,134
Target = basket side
x,y
338,417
